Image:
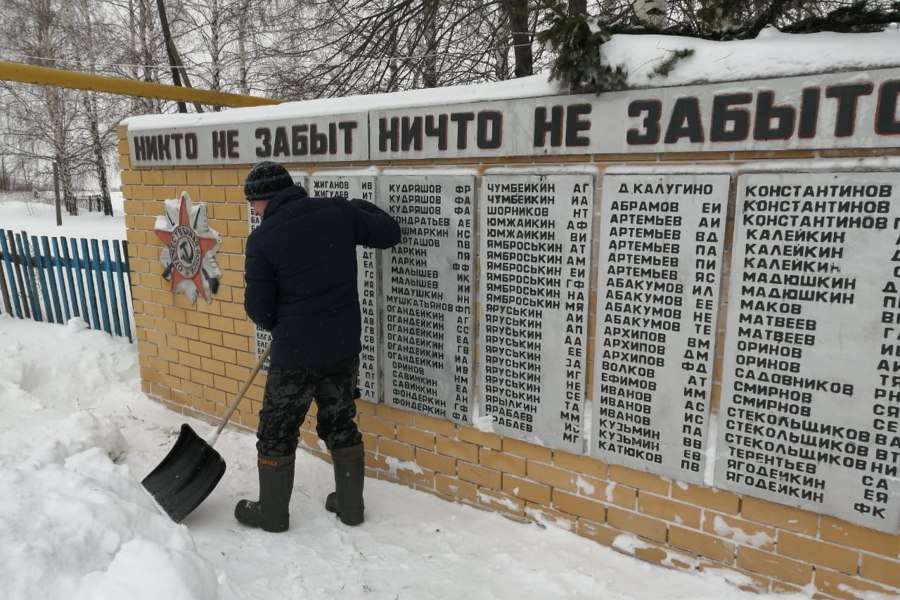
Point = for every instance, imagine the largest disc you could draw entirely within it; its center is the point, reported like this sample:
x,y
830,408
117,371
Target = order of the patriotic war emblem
x,y
190,246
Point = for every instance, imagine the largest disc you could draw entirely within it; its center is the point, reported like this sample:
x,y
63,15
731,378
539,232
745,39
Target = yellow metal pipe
x,y
10,71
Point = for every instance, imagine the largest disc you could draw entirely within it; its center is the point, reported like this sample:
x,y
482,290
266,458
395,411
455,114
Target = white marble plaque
x,y
659,279
368,260
535,253
428,286
811,380
830,110
263,337
288,136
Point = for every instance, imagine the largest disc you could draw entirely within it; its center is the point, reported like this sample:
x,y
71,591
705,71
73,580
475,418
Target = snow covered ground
x,y
18,211
77,435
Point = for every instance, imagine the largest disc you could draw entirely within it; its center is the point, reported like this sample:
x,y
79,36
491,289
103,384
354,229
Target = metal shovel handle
x,y
237,399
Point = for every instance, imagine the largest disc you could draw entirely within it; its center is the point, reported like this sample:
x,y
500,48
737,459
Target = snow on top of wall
x,y
536,85
771,54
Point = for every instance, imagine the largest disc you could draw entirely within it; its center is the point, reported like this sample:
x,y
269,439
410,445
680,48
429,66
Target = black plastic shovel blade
x,y
186,476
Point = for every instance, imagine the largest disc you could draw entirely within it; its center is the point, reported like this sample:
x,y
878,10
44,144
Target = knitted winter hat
x,y
265,180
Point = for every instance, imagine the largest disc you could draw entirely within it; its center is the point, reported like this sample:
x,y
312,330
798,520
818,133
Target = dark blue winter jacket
x,y
301,274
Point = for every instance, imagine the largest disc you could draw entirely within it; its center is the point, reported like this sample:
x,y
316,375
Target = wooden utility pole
x,y
56,193
178,70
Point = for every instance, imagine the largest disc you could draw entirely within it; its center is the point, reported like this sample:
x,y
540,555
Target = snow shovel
x,y
192,469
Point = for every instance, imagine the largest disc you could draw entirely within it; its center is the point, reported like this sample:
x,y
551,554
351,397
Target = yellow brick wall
x,y
194,358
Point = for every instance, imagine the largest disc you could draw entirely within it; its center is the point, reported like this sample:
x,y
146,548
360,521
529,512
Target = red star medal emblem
x,y
190,246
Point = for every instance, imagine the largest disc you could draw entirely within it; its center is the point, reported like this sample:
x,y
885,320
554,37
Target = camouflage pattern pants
x,y
289,393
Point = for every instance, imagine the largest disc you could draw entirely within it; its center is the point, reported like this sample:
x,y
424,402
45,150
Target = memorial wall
x,y
809,403
535,249
661,246
602,304
810,410
429,289
358,184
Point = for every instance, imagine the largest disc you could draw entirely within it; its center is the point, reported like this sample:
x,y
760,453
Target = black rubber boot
x,y
276,482
349,475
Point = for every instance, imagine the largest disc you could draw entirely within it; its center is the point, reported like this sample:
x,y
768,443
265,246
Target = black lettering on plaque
x,y
886,120
575,125
281,147
140,148
332,138
462,128
225,144
685,121
191,145
651,129
299,140
347,127
766,112
847,97
264,136
809,113
388,132
439,131
730,124
411,133
542,126
490,129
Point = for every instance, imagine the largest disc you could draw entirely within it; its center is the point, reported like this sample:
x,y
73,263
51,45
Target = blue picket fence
x,y
54,279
